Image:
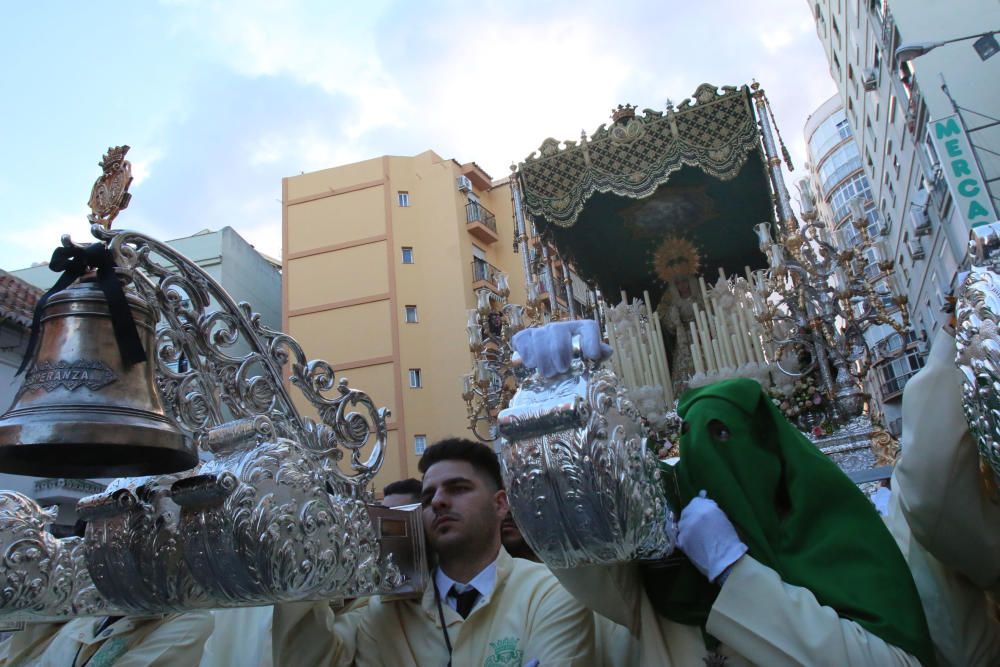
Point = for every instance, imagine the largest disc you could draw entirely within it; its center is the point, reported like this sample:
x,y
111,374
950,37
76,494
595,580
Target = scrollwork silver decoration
x,y
978,344
232,364
582,483
40,574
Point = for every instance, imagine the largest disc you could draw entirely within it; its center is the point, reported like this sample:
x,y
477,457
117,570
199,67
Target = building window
x,y
404,198
838,165
906,77
855,186
411,314
831,132
895,373
407,255
415,378
419,444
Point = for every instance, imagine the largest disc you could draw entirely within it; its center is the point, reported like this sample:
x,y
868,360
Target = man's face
x,y
461,509
400,499
510,534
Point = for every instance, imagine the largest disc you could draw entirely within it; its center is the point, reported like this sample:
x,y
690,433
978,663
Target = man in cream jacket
x,y
175,639
483,608
946,521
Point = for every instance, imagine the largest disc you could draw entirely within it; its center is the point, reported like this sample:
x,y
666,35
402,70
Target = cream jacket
x,y
241,637
953,548
527,617
937,476
173,641
961,623
759,619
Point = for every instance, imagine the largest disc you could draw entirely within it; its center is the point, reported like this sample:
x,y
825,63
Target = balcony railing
x,y
894,388
476,212
896,373
485,272
893,344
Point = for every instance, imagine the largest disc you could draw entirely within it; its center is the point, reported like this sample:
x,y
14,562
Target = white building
x,y
243,272
837,173
892,105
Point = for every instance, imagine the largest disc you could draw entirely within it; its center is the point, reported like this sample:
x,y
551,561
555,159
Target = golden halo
x,y
676,258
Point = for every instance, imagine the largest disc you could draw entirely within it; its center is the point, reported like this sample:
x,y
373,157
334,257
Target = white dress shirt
x,y
484,582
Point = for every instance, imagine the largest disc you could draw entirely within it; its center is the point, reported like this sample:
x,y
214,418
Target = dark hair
x,y
409,486
481,457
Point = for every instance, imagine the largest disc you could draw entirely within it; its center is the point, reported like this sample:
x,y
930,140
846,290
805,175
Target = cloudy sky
x,y
220,100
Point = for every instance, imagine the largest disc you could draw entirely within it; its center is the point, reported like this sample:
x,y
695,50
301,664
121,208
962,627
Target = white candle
x,y
694,335
717,351
711,363
704,295
639,371
615,352
741,359
724,341
668,382
741,330
696,357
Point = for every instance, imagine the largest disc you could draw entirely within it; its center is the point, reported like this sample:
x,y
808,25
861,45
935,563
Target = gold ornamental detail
x,y
110,195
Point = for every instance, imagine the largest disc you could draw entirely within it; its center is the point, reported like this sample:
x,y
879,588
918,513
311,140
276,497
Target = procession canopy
x,y
690,180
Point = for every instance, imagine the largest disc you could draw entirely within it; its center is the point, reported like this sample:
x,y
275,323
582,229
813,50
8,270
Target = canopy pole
x,y
783,204
519,225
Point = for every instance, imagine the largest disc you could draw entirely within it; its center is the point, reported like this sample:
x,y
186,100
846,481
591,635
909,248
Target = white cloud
x,y
143,166
330,45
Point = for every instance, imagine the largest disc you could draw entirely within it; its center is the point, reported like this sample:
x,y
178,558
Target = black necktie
x,y
464,602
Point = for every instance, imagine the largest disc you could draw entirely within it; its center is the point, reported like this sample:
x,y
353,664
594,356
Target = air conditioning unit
x,y
869,79
464,184
916,249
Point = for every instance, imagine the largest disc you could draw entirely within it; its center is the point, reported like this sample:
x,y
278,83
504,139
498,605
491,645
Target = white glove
x,y
550,348
708,538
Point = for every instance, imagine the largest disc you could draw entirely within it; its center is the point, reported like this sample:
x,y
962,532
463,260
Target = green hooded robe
x,y
796,511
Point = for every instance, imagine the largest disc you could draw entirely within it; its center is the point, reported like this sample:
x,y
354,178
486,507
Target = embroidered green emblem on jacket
x,y
505,653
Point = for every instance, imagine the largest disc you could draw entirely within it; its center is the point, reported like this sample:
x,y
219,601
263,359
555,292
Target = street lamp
x,y
986,46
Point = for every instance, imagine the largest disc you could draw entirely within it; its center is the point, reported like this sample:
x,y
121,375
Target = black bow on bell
x,y
74,262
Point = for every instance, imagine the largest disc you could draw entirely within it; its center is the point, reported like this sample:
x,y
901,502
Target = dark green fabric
x,y
798,514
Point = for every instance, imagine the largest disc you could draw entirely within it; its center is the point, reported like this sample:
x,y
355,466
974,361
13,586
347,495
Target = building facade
x,y
383,259
893,107
837,174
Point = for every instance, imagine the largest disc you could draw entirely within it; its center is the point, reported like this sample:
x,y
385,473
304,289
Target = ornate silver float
x,y
583,485
978,346
276,506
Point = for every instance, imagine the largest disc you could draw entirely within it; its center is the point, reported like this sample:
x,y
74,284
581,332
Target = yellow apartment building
x,y
382,260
